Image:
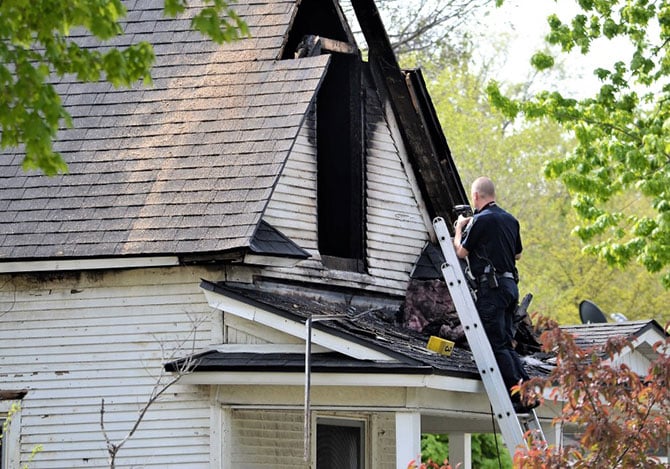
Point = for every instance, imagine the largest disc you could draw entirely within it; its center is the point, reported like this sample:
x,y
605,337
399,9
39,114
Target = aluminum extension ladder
x,y
513,426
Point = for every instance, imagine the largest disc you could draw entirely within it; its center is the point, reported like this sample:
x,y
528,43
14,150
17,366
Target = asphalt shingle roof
x,y
379,329
596,335
375,329
185,165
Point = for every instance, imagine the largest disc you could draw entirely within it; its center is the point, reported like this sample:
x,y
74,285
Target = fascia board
x,y
87,264
650,337
442,383
642,344
293,328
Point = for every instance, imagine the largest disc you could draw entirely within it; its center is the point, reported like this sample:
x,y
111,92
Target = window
x,y
10,419
320,28
340,444
339,136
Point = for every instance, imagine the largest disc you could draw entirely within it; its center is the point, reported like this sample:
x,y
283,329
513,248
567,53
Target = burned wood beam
x,y
439,193
12,395
312,45
332,45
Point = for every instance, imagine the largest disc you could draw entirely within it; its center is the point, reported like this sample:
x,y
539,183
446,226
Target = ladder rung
x,y
513,427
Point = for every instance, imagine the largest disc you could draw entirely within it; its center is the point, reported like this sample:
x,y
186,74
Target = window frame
x,y
336,421
340,147
10,450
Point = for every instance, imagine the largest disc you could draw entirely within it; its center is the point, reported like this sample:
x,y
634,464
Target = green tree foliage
x,y
619,173
488,451
434,447
621,417
553,267
35,46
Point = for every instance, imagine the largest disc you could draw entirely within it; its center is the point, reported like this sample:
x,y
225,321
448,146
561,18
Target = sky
x,y
520,27
524,24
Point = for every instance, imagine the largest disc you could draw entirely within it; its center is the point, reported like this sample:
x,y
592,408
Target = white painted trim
x,y
271,261
216,426
293,328
650,336
87,264
374,442
266,348
407,438
226,437
442,383
460,450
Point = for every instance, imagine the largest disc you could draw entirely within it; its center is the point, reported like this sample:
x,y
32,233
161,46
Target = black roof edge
x,y
323,326
269,241
174,366
456,192
652,324
403,368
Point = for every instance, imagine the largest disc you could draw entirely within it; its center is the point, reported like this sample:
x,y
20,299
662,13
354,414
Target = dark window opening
x,y
340,181
322,18
320,28
339,444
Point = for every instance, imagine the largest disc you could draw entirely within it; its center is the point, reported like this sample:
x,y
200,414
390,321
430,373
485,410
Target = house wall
x,y
73,339
395,228
274,438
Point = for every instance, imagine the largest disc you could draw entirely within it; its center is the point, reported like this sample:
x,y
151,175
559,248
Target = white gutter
x,y
87,264
255,378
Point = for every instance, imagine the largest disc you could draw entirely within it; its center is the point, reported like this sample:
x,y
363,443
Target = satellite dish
x,y
589,313
618,317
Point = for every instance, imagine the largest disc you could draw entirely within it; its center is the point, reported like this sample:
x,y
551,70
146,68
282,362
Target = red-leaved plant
x,y
431,465
622,418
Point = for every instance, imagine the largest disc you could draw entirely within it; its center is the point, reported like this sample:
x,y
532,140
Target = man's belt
x,y
484,278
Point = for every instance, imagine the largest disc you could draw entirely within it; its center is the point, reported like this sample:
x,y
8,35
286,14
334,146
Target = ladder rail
x,y
511,428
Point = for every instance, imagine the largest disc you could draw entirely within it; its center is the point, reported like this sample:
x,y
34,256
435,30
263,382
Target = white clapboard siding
x,y
292,208
242,331
396,230
395,226
267,439
73,339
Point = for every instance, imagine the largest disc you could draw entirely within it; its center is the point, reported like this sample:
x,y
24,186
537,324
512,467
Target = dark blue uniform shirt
x,y
493,237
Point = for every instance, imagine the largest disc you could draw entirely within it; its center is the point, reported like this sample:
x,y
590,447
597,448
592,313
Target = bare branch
x,y
185,366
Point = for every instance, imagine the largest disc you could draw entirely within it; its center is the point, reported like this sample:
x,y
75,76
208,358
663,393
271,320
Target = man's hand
x,y
460,224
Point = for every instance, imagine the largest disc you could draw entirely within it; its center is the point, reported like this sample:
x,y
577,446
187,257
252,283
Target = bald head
x,y
483,191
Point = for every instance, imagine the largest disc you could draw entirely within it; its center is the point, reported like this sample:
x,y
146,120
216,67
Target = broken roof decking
x,y
186,165
376,329
367,330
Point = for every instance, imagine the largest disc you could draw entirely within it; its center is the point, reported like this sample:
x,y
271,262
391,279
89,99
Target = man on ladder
x,y
490,240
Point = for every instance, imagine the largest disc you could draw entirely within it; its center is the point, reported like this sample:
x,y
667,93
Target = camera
x,y
464,210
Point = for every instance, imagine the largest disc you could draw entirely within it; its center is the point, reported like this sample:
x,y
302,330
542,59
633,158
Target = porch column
x,y
553,434
407,438
460,450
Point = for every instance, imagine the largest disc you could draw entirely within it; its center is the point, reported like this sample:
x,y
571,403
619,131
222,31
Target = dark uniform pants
x,y
496,310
